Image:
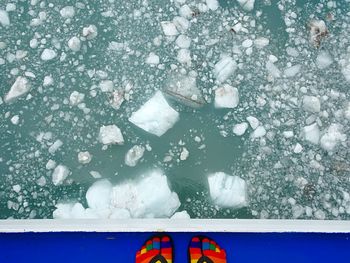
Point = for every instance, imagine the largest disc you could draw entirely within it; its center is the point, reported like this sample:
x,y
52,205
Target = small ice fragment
x,y
298,148
288,134
18,89
272,69
95,174
74,44
311,104
247,5
332,137
311,133
110,134
183,41
184,56
253,122
318,30
152,59
212,4
60,174
4,18
48,80
226,96
133,156
261,42
169,28
228,191
55,146
247,43
90,32
324,60
155,116
224,68
181,24
67,12
259,132
185,11
76,97
240,128
106,86
16,188
116,99
51,164
181,215
184,154
84,157
292,71
15,120
48,54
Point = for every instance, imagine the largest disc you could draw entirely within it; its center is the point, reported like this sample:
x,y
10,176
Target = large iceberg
x,y
156,116
149,197
228,191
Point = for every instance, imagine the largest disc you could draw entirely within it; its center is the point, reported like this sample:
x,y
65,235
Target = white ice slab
x,y
18,89
224,68
155,116
226,96
110,134
227,190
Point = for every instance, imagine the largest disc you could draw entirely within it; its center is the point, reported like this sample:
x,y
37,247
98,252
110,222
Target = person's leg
x,y
158,249
205,250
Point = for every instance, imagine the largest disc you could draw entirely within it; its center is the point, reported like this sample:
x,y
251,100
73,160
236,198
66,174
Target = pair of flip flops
x,y
159,249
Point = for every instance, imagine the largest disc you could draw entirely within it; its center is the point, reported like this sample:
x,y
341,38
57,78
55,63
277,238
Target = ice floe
x,y
48,54
18,89
240,128
332,137
156,116
228,191
311,133
133,156
247,5
226,96
149,197
311,104
110,134
4,18
59,174
224,68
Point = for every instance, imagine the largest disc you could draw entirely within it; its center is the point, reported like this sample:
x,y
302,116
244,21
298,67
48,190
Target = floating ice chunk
x,y
55,146
106,86
240,128
298,148
345,66
18,89
15,120
183,88
247,5
95,174
155,116
117,99
318,30
110,134
259,132
184,56
311,104
292,71
169,28
134,155
152,59
4,18
261,42
346,111
311,133
184,154
60,173
272,69
228,191
181,215
183,41
148,198
74,44
185,11
226,96
324,60
253,122
51,164
247,43
224,68
84,157
76,97
181,24
98,196
67,12
332,137
48,54
90,32
212,4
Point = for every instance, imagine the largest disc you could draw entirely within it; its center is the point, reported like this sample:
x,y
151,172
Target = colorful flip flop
x,y
205,250
158,249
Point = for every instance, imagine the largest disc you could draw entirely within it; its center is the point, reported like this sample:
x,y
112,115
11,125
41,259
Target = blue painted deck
x,y
121,247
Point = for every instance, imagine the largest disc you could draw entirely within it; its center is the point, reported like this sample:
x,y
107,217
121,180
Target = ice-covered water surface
x,y
229,109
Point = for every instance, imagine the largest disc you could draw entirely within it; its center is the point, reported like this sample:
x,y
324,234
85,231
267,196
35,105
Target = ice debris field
x,y
175,109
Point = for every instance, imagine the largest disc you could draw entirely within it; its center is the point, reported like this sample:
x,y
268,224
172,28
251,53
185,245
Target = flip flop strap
x,y
205,259
159,258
